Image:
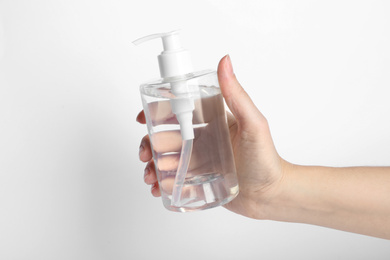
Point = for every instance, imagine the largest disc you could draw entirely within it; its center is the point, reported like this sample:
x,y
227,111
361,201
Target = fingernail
x,y
229,66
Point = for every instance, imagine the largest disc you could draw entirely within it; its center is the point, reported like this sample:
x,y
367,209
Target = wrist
x,y
275,206
299,196
273,200
286,202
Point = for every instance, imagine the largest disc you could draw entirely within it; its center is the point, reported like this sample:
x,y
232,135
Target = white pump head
x,y
174,60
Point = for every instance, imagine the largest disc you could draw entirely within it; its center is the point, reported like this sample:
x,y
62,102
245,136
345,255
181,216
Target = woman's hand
x,y
355,199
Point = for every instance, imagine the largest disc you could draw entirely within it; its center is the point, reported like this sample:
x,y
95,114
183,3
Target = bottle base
x,y
203,192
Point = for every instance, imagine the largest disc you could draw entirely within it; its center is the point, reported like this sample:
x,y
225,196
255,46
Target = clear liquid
x,y
211,178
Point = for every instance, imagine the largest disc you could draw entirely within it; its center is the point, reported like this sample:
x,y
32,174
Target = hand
x,y
259,167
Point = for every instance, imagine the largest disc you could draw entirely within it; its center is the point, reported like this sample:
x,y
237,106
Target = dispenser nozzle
x,y
171,40
173,60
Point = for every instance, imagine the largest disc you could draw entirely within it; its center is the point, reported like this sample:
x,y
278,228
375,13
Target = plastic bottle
x,y
188,130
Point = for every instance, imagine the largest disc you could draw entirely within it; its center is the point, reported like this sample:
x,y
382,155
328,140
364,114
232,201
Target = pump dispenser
x,y
201,173
175,62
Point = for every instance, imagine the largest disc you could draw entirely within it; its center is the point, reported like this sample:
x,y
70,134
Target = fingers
x,y
167,141
238,101
164,142
250,123
150,178
159,113
145,150
141,118
145,155
168,162
156,190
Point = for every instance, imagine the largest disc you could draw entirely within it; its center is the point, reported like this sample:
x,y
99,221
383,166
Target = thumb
x,y
238,101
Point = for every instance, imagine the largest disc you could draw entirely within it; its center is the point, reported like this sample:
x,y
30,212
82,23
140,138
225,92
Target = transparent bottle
x,y
190,139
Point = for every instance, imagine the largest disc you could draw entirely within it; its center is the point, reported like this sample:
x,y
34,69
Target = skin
x,y
354,199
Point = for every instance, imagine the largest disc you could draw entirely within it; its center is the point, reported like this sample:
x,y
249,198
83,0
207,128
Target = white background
x,y
71,184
